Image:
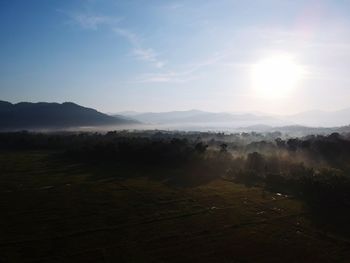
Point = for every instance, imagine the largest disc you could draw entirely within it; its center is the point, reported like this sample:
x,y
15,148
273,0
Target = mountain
x,y
25,115
197,117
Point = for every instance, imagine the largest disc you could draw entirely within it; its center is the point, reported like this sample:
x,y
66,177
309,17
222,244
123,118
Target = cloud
x,y
190,71
93,22
165,77
138,51
129,36
89,21
188,74
148,54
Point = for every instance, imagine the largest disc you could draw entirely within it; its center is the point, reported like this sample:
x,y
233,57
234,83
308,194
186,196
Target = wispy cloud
x,y
188,73
166,77
90,21
93,22
148,54
128,35
138,50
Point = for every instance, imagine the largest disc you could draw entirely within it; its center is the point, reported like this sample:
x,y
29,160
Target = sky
x,y
158,55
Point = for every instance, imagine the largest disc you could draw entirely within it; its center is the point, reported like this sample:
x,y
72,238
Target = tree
x,y
223,148
200,147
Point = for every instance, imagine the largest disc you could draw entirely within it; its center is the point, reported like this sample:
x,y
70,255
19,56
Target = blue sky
x,y
172,55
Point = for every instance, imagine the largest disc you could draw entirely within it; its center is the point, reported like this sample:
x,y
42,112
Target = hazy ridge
x,y
315,118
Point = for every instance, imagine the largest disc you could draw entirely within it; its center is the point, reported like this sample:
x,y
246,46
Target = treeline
x,y
314,151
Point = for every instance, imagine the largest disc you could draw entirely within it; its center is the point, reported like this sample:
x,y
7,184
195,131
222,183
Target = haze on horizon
x,y
275,56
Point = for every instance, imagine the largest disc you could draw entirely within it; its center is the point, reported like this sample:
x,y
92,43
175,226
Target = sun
x,y
275,77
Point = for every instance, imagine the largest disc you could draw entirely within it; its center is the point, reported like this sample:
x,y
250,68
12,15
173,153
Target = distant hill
x,y
25,115
193,117
316,118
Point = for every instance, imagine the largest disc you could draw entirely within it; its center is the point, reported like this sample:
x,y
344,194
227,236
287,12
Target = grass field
x,y
58,211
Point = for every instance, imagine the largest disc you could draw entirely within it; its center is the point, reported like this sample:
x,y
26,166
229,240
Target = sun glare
x,y
275,77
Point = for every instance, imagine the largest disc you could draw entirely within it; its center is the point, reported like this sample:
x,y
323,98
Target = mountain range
x,y
203,118
42,115
314,118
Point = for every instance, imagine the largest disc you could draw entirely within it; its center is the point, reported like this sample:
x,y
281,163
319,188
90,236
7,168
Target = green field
x,y
60,211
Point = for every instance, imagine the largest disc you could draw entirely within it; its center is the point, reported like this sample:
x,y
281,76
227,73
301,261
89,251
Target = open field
x,y
58,211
